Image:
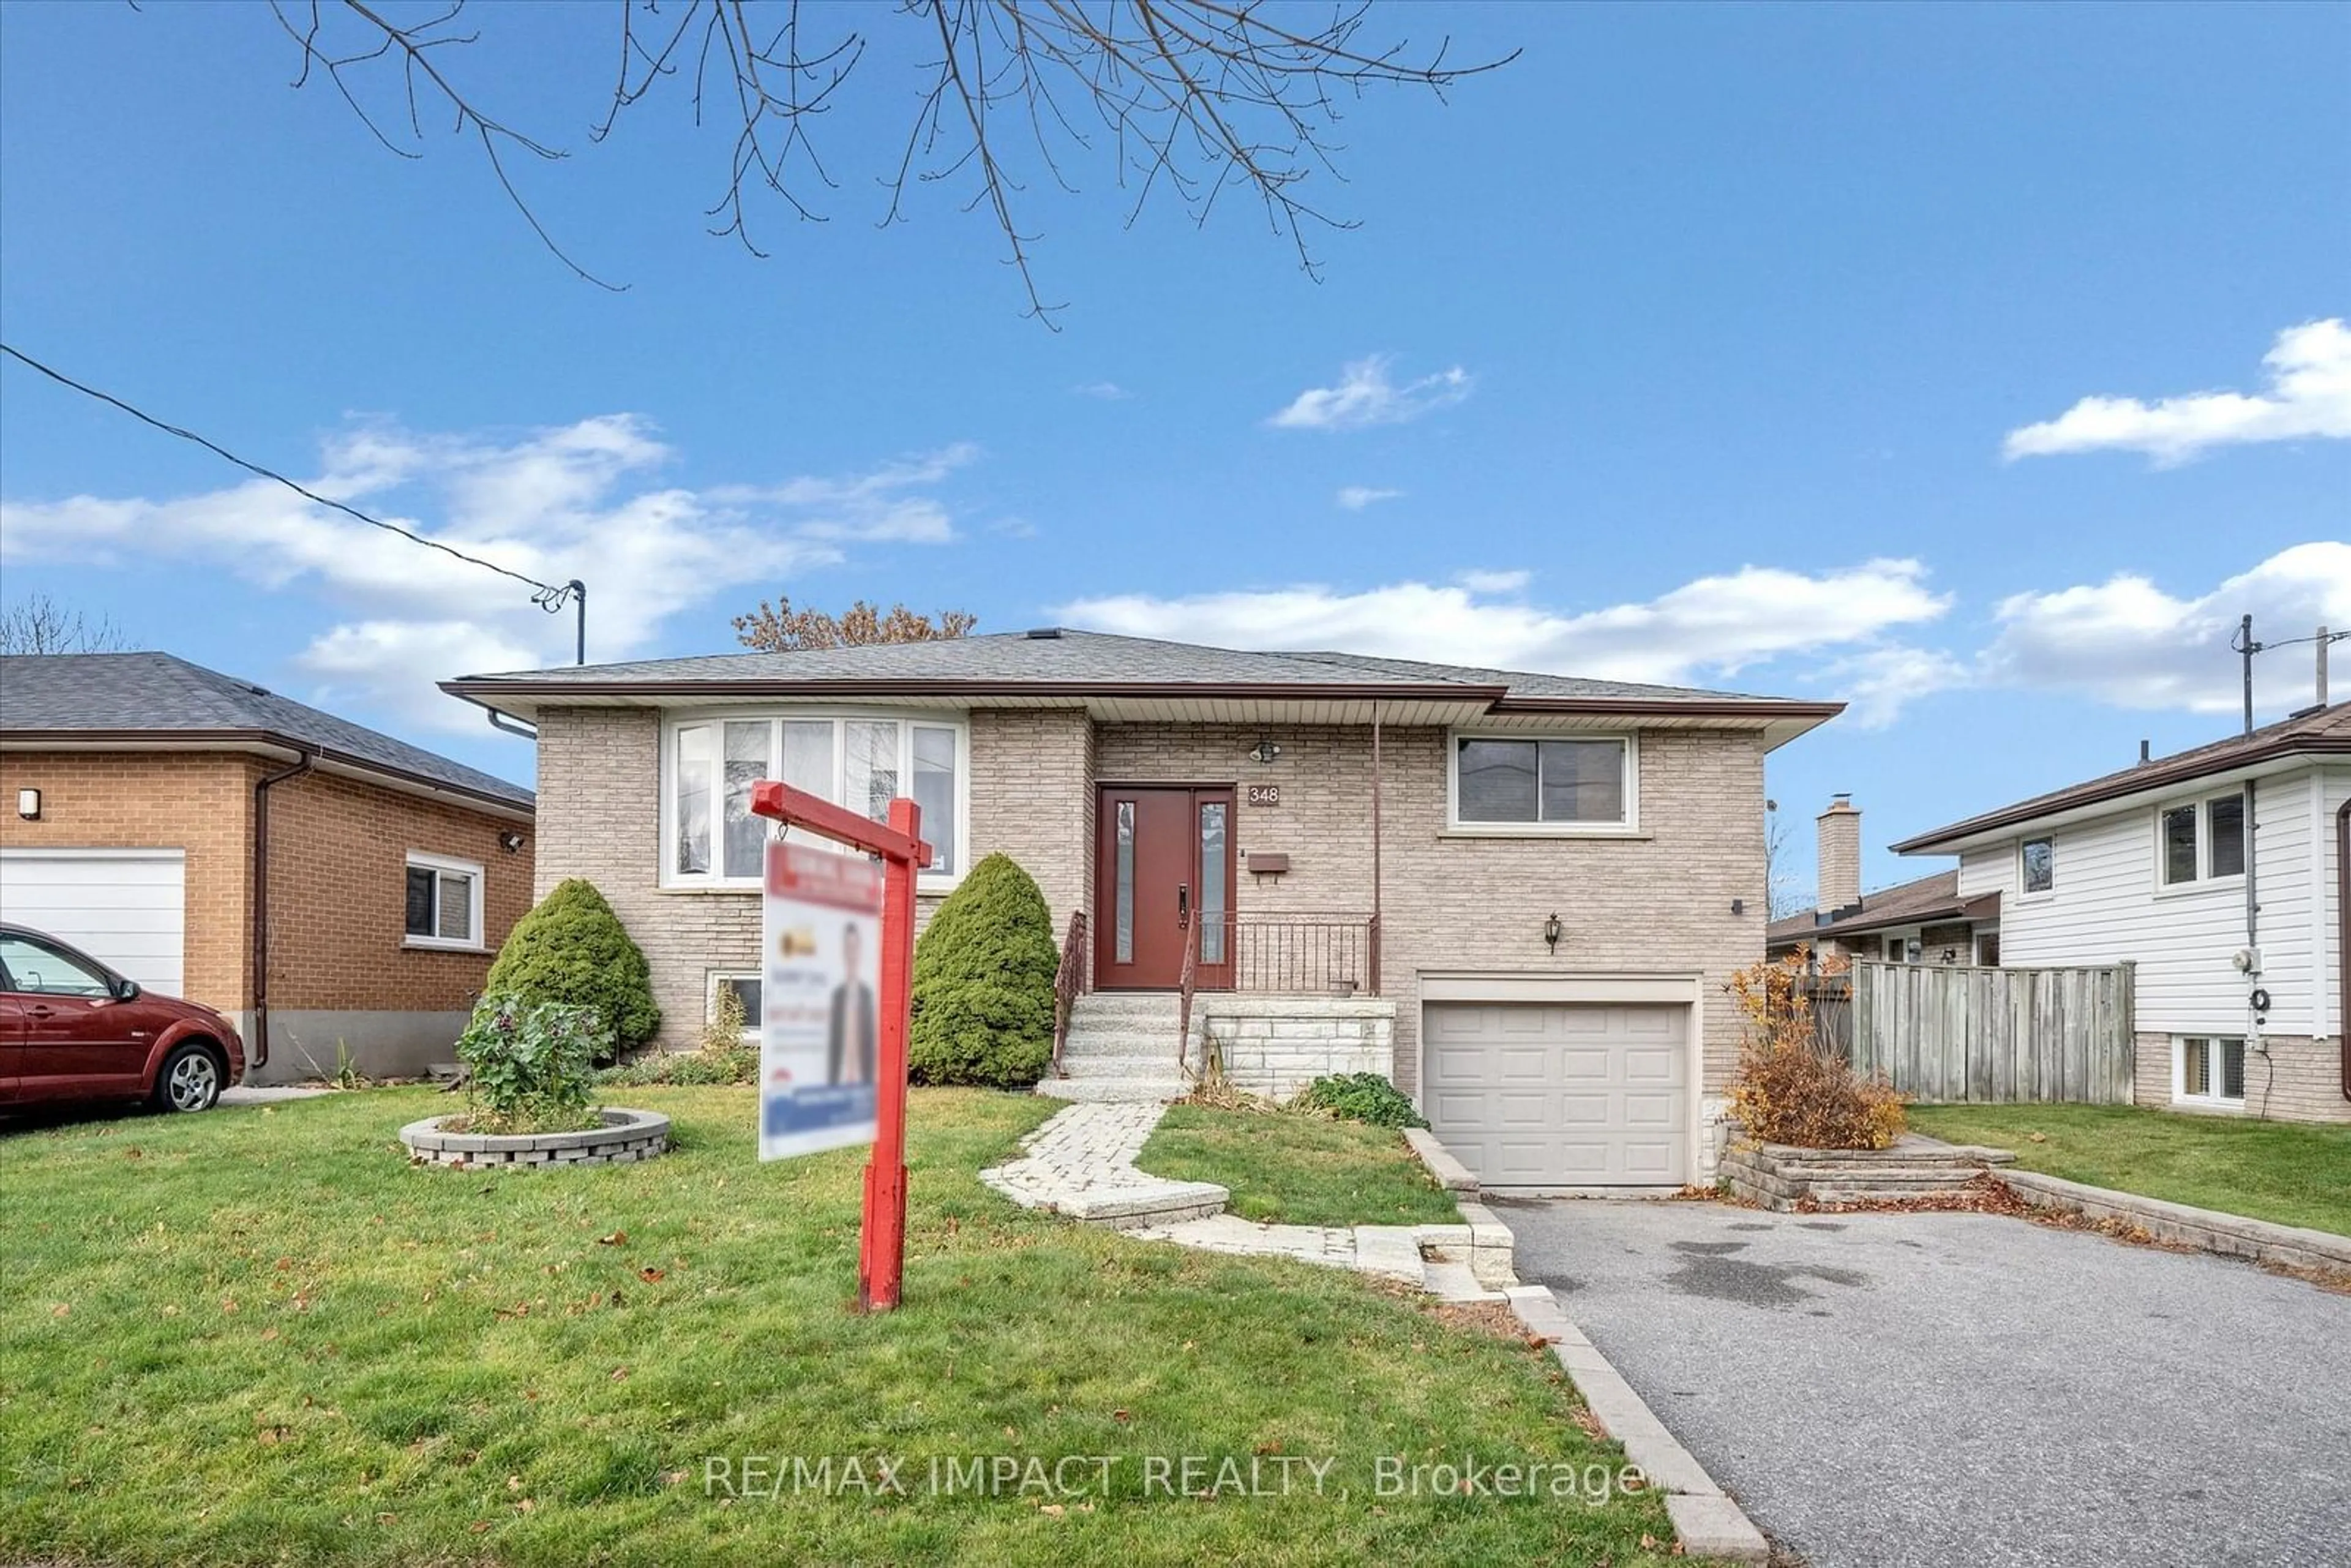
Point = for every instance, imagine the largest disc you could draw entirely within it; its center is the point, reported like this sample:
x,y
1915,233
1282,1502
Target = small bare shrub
x,y
1789,1089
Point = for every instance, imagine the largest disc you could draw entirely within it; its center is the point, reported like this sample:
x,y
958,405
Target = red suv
x,y
72,1028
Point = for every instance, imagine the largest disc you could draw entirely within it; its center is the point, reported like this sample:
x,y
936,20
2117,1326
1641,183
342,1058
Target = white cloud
x,y
352,661
1878,684
1355,498
1108,392
578,500
2309,395
1703,630
2128,641
1365,396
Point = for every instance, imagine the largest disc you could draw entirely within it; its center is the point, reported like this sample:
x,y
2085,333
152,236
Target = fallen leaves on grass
x,y
617,1239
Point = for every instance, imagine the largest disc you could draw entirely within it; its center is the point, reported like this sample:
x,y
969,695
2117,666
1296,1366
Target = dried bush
x,y
1789,1088
724,1057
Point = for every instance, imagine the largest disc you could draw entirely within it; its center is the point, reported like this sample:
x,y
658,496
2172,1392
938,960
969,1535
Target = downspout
x,y
259,1044
2343,938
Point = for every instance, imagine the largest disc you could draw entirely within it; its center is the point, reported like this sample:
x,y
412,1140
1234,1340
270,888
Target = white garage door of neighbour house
x,y
126,908
1531,1095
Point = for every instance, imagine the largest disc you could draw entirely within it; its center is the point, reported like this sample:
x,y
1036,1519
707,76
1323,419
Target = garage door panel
x,y
1652,1110
1585,1063
1521,1065
126,909
1653,1066
1658,1163
1534,1095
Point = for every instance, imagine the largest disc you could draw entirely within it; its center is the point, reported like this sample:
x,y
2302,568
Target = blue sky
x,y
1743,347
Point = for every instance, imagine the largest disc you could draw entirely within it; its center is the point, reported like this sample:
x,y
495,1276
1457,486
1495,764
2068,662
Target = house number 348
x,y
1265,794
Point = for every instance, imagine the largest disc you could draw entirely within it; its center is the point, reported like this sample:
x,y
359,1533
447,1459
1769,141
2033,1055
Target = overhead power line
x,y
548,596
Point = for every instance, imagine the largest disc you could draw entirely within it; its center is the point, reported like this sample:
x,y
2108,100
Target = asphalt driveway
x,y
1883,1390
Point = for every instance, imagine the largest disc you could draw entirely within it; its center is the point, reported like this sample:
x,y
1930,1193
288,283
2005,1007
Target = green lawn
x,y
2288,1173
256,1336
1298,1169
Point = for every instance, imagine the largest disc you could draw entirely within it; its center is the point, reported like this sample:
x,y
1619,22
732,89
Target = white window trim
x,y
710,980
2215,1101
425,860
2204,881
669,879
2040,895
1630,828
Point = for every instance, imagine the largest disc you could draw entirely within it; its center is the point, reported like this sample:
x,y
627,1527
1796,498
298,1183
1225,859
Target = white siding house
x,y
2215,872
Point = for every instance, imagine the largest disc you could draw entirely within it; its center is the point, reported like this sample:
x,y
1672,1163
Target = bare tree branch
x,y
1196,96
39,624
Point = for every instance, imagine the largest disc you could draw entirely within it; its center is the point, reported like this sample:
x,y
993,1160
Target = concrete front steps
x,y
1122,1047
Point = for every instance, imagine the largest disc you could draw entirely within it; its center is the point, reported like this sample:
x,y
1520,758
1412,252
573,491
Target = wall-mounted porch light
x,y
1265,750
510,841
28,805
1552,932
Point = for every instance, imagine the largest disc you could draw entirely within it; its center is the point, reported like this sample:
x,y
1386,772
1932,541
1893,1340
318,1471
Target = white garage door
x,y
126,908
1532,1095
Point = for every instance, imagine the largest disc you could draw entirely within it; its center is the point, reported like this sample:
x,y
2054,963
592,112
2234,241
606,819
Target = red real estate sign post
x,y
882,1251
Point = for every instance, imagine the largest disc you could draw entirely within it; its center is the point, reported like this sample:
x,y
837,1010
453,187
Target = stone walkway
x,y
1082,1164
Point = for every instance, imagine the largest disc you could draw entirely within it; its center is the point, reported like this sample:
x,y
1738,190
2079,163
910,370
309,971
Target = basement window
x,y
2208,1070
747,989
444,903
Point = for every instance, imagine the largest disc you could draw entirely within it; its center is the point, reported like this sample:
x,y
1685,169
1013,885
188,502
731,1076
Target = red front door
x,y
1166,868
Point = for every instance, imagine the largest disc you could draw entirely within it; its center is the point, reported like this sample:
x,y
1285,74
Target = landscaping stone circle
x,y
625,1137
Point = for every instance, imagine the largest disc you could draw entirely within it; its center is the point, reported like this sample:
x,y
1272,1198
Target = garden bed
x,y
623,1138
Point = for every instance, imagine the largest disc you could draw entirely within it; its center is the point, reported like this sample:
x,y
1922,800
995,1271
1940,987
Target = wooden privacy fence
x,y
1946,1033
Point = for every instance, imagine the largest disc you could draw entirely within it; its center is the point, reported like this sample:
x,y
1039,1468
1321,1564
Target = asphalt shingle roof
x,y
1898,906
163,694
1071,657
2327,729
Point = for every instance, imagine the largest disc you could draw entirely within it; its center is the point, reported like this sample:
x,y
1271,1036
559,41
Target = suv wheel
x,y
190,1079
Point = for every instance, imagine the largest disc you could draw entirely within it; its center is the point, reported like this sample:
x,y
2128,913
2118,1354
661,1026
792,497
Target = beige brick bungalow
x,y
1517,894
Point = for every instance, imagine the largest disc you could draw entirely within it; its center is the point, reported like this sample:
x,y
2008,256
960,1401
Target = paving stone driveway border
x,y
2230,1235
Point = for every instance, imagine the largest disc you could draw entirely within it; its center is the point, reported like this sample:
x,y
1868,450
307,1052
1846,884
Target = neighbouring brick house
x,y
328,888
1517,895
2219,872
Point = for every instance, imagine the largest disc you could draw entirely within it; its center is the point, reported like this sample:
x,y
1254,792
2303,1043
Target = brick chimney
x,y
1840,855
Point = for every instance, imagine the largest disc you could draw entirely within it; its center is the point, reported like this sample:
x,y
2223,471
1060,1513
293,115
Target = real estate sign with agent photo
x,y
819,999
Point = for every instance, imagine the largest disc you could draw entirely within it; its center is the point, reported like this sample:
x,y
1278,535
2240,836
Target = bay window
x,y
710,837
